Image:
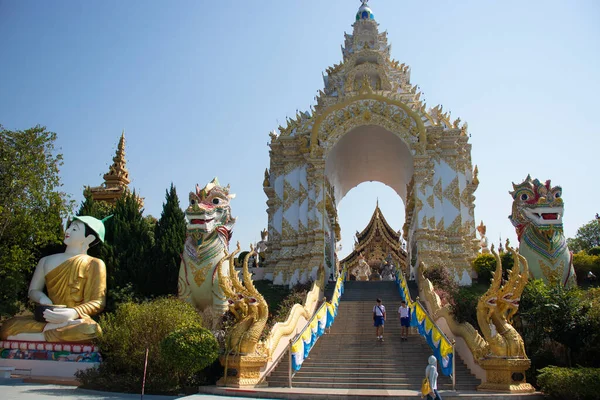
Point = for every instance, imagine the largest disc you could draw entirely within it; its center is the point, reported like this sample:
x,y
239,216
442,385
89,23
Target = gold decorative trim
x,y
440,225
432,222
287,230
455,225
302,194
317,127
431,201
452,193
290,195
437,190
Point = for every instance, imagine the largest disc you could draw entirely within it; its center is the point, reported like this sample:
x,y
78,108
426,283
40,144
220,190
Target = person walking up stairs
x,y
349,358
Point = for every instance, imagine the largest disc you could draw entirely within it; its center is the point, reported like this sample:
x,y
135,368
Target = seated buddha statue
x,y
75,284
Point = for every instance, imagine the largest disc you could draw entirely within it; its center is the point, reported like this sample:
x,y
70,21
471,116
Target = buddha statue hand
x,y
50,326
60,315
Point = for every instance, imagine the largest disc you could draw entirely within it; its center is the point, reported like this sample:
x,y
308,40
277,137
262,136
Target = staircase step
x,y
350,357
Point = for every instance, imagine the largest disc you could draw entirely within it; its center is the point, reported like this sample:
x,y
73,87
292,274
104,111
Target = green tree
x,y
131,245
555,315
587,236
484,265
169,235
32,209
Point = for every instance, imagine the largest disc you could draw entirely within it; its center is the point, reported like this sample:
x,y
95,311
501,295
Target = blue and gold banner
x,y
441,347
321,320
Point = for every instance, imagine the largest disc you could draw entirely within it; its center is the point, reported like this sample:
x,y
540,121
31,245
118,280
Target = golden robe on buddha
x,y
78,283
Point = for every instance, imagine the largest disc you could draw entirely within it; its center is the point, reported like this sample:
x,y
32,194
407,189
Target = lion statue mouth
x,y
544,215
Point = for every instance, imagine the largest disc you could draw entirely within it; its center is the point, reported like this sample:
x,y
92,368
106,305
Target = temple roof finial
x,y
364,12
117,174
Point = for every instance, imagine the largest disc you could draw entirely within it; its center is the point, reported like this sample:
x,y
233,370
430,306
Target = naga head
x,y
488,302
209,209
509,294
538,204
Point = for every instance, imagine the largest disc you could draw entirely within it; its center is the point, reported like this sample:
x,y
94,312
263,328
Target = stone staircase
x,y
350,357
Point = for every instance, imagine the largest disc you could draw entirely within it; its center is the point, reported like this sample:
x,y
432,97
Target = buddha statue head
x,y
85,232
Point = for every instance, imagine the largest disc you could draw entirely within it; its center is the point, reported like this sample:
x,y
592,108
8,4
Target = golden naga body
x,y
499,350
246,304
499,304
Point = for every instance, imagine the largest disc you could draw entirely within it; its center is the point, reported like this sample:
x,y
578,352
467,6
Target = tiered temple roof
x,y
376,242
116,180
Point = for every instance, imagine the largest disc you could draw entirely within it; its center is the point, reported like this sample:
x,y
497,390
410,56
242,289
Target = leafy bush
x,y
594,251
128,332
282,310
464,305
559,326
584,263
444,285
570,383
484,265
189,351
440,277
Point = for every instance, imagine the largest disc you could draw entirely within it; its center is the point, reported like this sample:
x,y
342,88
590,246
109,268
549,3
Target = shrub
x,y
282,310
128,332
594,251
464,306
444,285
441,279
484,265
189,351
570,383
584,263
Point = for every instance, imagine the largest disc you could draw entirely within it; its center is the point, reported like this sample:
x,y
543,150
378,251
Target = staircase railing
x,y
301,345
442,347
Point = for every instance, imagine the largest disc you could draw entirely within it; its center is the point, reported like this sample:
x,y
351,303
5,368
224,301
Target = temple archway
x,y
369,124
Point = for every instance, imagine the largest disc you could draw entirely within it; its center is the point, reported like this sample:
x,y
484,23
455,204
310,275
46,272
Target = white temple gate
x,y
369,124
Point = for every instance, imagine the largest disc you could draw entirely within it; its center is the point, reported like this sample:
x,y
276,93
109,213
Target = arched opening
x,y
356,209
369,153
377,166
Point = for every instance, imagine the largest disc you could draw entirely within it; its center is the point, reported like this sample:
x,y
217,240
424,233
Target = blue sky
x,y
198,85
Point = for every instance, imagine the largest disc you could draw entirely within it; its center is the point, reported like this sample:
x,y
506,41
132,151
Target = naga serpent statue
x,y
537,216
247,305
208,233
499,304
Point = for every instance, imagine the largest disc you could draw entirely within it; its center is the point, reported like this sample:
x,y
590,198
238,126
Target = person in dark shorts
x,y
379,319
404,313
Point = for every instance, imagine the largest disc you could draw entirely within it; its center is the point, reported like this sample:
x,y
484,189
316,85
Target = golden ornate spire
x,y
117,175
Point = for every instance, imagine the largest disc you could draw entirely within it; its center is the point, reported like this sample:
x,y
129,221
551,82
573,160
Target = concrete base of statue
x,y
505,375
242,370
58,361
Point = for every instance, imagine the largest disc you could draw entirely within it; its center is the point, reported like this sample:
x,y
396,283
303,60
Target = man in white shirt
x,y
404,313
379,319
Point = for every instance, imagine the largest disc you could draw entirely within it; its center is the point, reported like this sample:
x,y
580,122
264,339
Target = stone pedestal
x,y
48,360
242,370
505,375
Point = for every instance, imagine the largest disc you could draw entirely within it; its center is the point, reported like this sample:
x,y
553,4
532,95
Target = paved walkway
x,y
34,391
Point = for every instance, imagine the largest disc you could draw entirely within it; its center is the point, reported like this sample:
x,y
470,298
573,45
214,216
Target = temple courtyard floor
x,y
33,391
